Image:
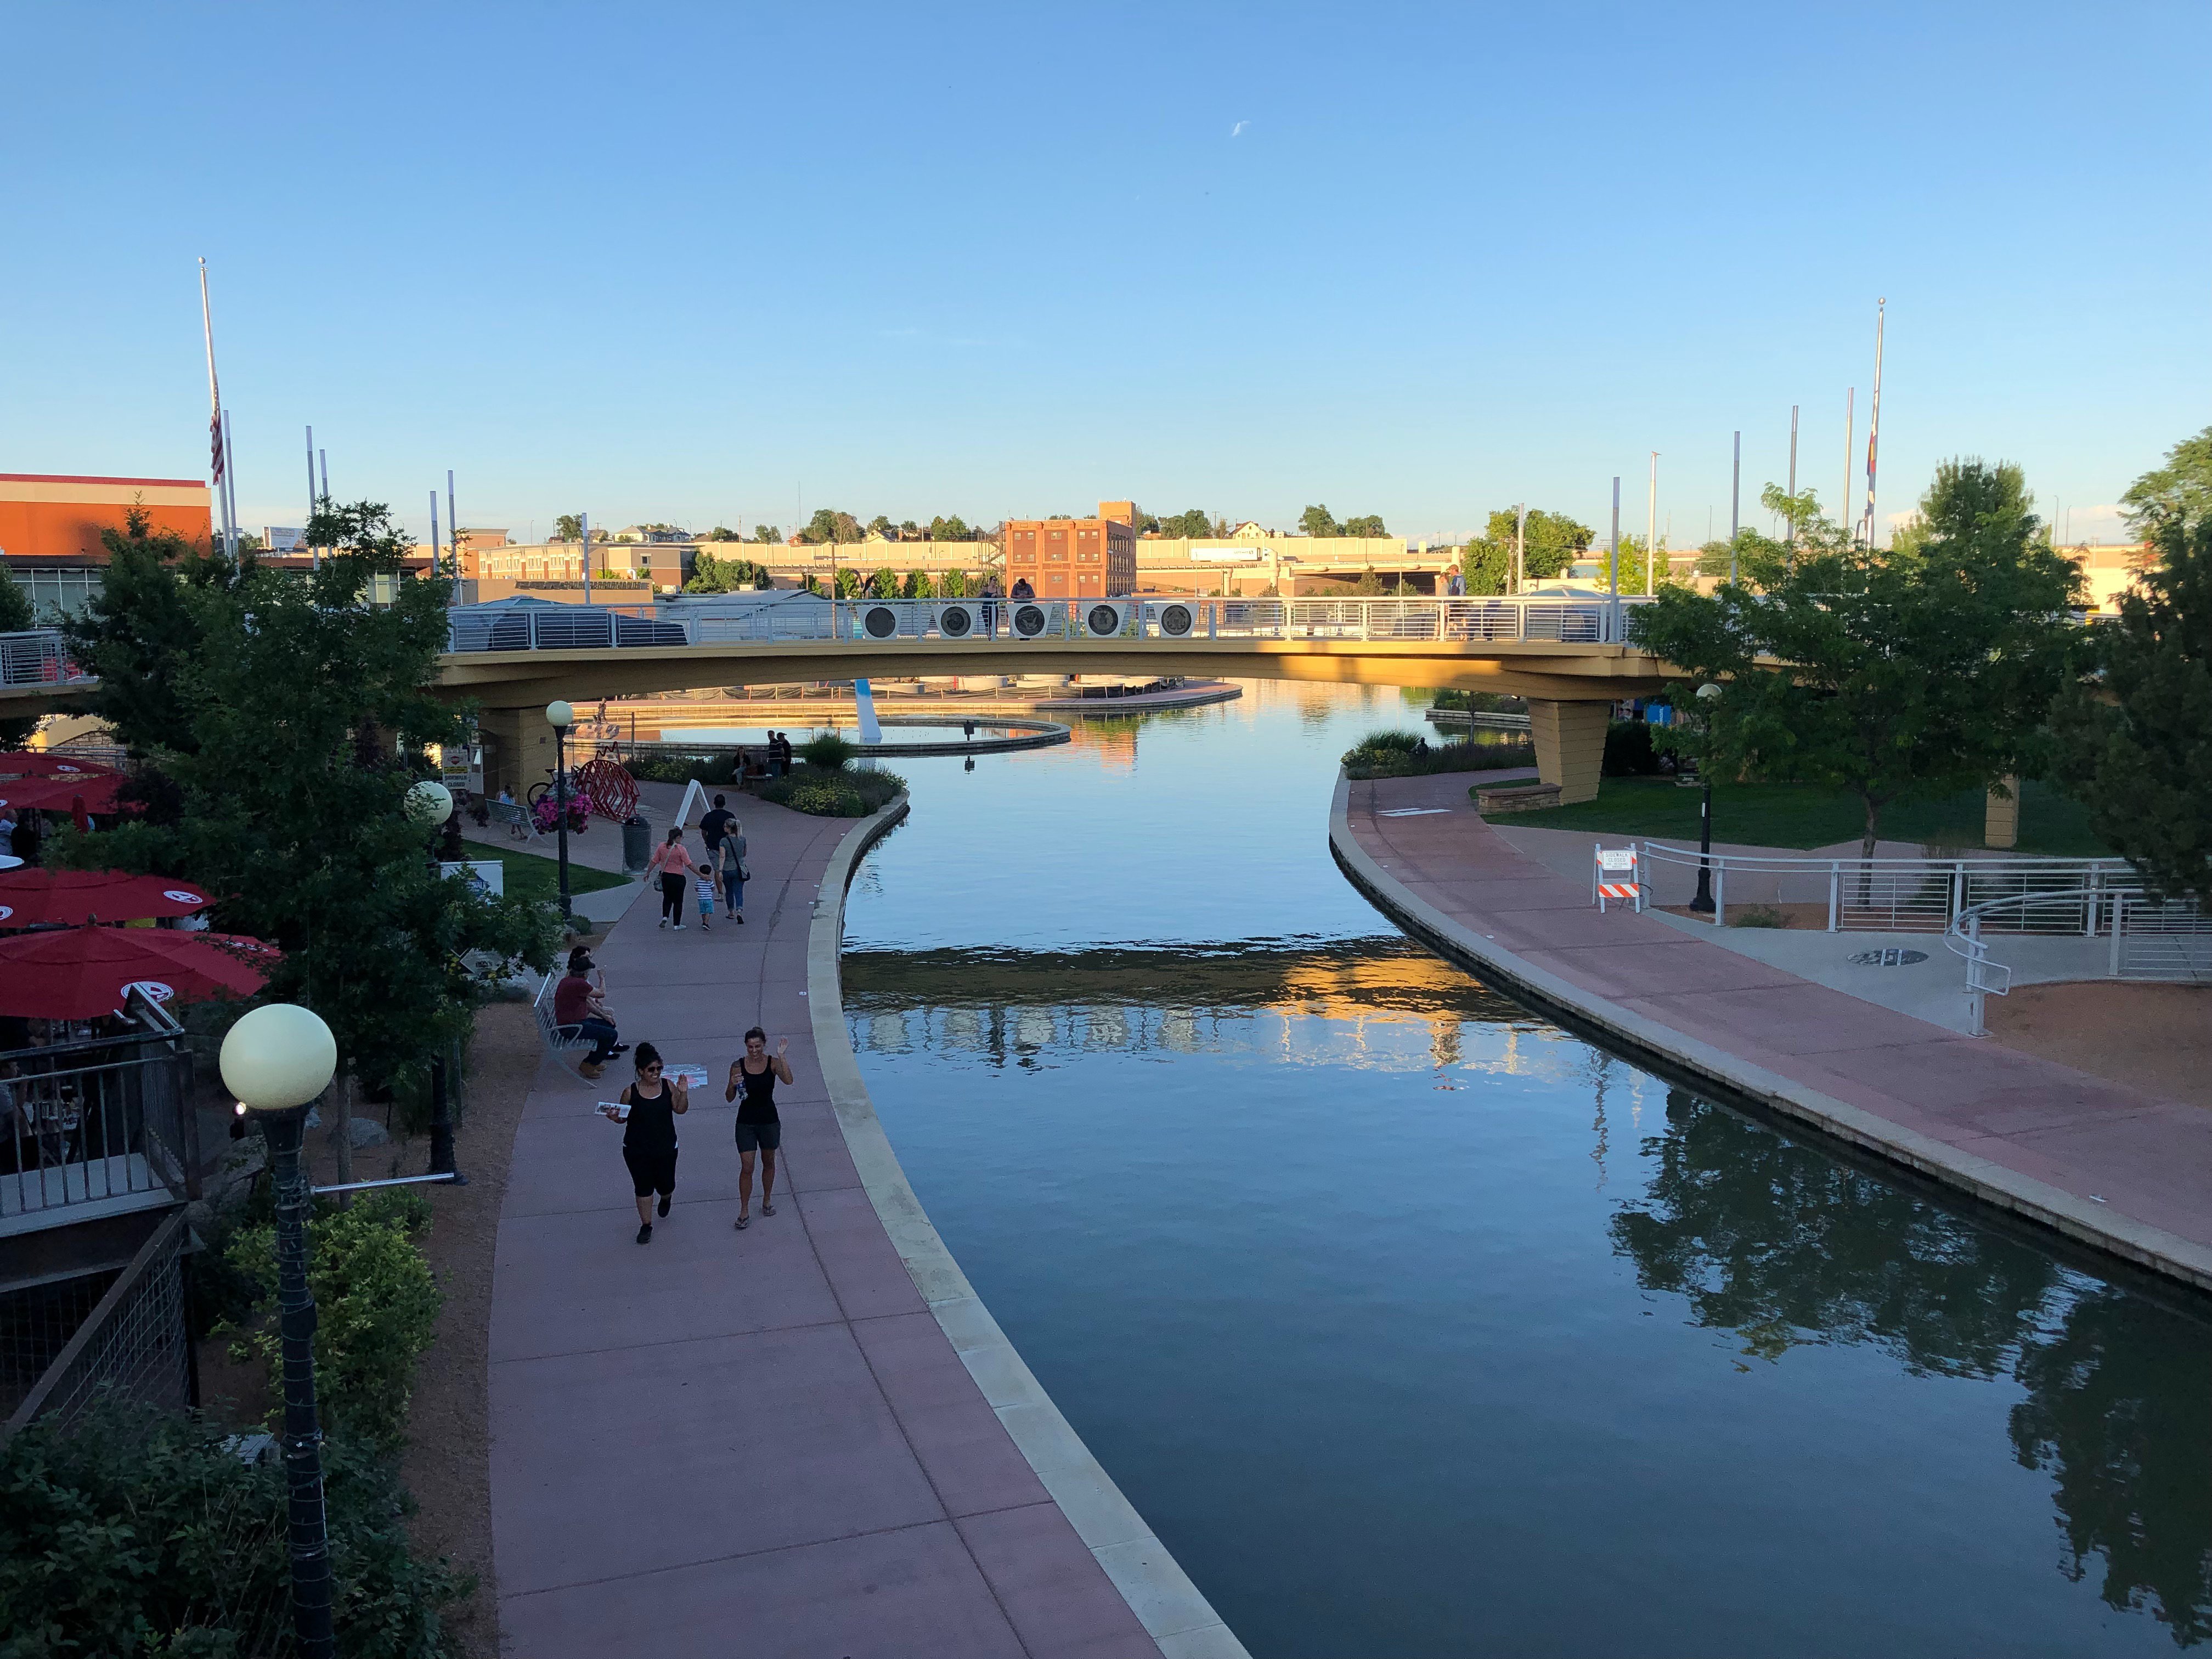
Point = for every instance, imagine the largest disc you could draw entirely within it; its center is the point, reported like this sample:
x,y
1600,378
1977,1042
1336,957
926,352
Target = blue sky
x,y
696,263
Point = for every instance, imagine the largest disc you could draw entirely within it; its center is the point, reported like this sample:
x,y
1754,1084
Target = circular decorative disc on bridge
x,y
1892,957
956,621
1029,620
1104,620
880,620
1175,621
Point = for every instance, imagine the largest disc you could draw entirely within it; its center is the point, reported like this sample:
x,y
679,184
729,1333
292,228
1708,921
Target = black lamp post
x,y
560,716
1702,904
277,1059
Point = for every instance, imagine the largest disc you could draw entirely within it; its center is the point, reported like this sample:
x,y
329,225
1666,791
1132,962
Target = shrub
x,y
376,1308
717,769
843,794
826,751
1393,758
1380,743
137,1533
1628,751
1759,916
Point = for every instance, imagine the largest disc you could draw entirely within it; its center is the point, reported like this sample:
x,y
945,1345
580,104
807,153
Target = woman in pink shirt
x,y
674,867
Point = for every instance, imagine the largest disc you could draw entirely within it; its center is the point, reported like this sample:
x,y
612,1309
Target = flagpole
x,y
1850,431
434,532
585,520
1651,530
304,534
1874,418
216,459
452,527
322,459
230,483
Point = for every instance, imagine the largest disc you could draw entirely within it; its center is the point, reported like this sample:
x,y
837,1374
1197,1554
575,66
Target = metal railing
x,y
1888,896
2151,939
135,1342
1157,620
38,657
98,1120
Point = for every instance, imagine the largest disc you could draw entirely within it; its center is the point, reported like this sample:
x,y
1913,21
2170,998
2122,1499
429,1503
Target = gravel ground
x,y
2157,1038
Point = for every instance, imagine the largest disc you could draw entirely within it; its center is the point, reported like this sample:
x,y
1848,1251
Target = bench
x,y
558,1039
1517,797
514,816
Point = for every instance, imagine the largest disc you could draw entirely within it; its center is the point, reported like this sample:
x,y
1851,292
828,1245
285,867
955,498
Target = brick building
x,y
50,526
1075,558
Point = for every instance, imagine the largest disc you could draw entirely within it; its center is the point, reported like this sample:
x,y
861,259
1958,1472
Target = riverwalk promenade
x,y
806,1439
2128,1172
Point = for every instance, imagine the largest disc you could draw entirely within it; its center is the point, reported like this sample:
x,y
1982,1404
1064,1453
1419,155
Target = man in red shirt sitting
x,y
579,1010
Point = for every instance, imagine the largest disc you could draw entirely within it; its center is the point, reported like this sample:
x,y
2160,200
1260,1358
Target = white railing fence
x,y
38,657
2150,939
1159,620
1891,896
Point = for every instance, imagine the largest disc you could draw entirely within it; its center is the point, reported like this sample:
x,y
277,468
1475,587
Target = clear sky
x,y
698,263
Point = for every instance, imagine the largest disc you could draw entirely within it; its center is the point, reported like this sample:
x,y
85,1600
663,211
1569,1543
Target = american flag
x,y
215,443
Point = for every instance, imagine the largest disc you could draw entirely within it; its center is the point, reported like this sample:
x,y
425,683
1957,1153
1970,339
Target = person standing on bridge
x,y
1022,589
673,865
1455,585
759,1129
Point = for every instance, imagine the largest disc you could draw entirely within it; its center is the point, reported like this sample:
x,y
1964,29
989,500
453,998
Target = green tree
x,y
1194,524
289,688
1316,521
850,582
909,531
1552,541
1487,566
768,534
722,532
951,529
1915,672
142,629
918,586
953,585
1370,527
828,524
885,584
881,525
713,575
2136,744
2182,488
569,527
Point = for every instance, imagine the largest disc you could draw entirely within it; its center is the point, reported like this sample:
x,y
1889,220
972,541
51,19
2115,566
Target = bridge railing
x,y
38,657
1853,895
2168,940
1155,619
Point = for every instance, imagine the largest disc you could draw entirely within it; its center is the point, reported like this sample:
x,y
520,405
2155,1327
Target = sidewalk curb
x,y
2139,1242
1173,1611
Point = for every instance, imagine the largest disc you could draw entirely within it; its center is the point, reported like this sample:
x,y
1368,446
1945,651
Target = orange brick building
x,y
1075,558
50,526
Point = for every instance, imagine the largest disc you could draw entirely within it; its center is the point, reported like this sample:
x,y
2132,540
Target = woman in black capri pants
x,y
649,1136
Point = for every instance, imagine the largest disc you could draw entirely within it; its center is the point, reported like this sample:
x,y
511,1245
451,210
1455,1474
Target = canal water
x,y
1416,1325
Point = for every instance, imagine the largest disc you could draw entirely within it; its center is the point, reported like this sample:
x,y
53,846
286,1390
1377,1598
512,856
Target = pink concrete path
x,y
2125,1170
757,1443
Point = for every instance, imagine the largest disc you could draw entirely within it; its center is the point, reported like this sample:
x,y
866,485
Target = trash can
x,y
637,845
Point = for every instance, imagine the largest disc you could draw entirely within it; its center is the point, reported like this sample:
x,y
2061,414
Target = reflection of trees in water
x,y
1784,1247
2119,1398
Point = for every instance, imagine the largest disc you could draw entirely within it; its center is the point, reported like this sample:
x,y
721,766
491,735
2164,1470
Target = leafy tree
x,y
953,585
850,582
1487,566
287,689
1368,527
909,531
1316,521
2182,488
918,586
766,534
142,629
1919,671
881,525
569,527
953,529
2135,746
713,575
828,526
885,584
722,532
1193,524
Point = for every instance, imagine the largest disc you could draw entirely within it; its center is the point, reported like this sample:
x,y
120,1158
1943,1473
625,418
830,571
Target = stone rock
x,y
365,1132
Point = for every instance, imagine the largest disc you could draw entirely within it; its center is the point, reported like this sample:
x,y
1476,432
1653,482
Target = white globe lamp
x,y
279,1056
429,802
559,714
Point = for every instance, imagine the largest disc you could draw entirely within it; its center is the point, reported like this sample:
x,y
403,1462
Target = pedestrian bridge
x,y
1569,656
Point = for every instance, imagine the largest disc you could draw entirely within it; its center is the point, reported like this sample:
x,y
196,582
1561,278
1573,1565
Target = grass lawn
x,y
1799,815
530,876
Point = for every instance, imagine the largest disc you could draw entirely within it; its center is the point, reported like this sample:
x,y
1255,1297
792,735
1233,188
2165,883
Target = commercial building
x,y
1075,558
50,526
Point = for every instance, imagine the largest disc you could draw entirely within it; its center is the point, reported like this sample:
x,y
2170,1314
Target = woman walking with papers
x,y
759,1129
647,1111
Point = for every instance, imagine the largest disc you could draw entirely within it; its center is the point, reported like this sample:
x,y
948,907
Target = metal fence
x,y
1901,895
2168,939
98,1118
2150,939
135,1341
38,657
499,628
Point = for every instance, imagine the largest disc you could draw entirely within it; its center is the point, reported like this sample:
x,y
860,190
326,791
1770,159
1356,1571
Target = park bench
x,y
559,1040
516,816
1517,797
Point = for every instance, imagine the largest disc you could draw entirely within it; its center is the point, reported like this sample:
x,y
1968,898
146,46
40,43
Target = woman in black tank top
x,y
649,1136
759,1129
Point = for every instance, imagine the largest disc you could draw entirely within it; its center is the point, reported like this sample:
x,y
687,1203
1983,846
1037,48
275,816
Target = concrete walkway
x,y
767,1442
2126,1172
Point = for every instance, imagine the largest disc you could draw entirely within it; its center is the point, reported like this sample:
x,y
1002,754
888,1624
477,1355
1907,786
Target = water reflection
x,y
1782,1248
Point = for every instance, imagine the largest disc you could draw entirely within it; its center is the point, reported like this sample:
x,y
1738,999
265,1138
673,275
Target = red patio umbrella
x,y
80,972
59,794
41,764
28,897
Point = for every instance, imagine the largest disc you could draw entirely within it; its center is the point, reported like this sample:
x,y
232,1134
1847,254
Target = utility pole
x,y
452,525
1874,420
434,532
585,520
1651,530
1520,548
1736,503
1793,484
1850,429
1616,540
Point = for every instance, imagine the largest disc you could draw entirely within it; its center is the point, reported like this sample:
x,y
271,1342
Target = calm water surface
x,y
1415,1325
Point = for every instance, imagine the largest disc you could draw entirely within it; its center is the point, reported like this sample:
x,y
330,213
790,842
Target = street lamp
x,y
1703,903
560,716
276,1060
429,803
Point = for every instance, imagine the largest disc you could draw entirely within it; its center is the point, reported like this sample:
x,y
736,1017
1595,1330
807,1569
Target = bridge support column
x,y
1569,739
2001,817
518,747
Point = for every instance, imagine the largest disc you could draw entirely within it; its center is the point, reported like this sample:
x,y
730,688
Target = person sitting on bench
x,y
579,1010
